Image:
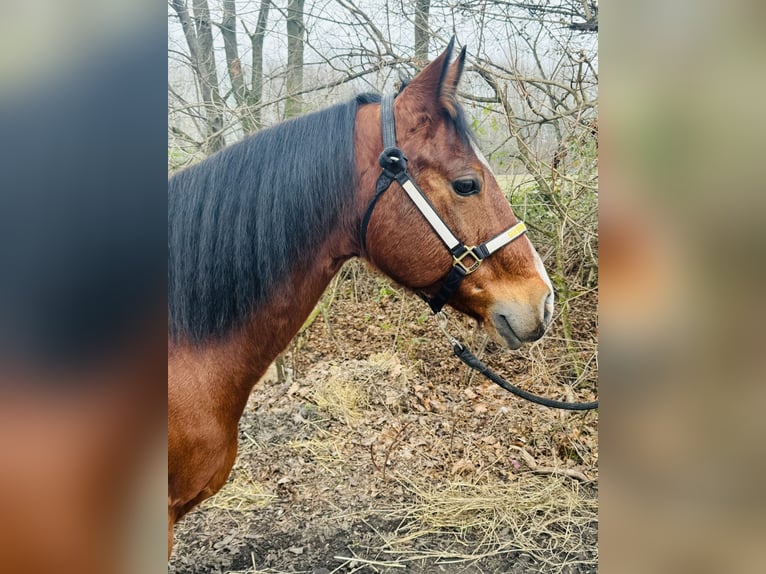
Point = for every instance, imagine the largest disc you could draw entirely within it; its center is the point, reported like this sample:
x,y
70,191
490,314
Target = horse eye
x,y
468,186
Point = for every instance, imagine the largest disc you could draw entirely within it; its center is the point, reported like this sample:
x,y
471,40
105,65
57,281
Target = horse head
x,y
508,291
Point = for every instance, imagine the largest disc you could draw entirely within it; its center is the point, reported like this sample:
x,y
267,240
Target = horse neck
x,y
272,326
234,364
229,368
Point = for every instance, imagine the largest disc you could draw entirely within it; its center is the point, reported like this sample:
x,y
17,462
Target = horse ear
x,y
427,85
448,90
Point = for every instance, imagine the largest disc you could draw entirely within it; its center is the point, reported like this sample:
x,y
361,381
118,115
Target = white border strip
x,y
431,216
505,237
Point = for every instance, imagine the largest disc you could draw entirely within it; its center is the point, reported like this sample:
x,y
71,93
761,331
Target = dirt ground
x,y
376,451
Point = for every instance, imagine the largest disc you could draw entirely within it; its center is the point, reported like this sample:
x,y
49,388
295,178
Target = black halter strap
x,y
388,124
465,259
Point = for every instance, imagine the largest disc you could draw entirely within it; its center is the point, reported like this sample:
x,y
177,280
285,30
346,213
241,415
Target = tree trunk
x,y
208,77
295,31
422,8
234,64
200,41
256,84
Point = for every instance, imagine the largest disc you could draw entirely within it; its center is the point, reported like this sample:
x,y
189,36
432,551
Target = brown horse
x,y
257,231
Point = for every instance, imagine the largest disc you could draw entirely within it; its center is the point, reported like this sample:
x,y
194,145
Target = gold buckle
x,y
468,269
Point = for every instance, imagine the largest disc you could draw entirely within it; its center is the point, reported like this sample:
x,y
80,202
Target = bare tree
x,y
247,100
199,38
294,82
422,35
256,42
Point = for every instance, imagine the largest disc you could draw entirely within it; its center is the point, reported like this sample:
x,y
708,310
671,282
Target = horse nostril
x,y
538,333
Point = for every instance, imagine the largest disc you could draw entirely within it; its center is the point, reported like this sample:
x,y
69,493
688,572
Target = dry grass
x,y
342,395
241,492
324,447
543,517
253,570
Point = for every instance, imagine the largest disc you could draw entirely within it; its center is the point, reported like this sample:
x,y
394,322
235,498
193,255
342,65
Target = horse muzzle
x,y
516,323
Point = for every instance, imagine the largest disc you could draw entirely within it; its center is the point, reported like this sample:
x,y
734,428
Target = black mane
x,y
241,219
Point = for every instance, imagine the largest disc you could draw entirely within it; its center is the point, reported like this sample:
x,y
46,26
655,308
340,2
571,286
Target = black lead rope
x,y
464,354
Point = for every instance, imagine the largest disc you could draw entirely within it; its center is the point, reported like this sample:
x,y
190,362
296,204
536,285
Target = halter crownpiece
x,y
465,259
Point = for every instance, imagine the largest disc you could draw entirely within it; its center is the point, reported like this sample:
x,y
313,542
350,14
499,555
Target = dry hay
x,y
347,390
241,492
341,395
453,521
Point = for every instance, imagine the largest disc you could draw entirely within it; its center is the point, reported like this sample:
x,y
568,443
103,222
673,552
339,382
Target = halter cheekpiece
x,y
465,259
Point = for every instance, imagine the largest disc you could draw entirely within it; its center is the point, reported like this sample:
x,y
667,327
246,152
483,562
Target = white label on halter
x,y
505,237
431,216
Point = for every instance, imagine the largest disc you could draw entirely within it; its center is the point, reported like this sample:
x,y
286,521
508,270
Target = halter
x,y
465,259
